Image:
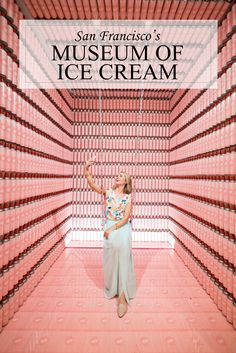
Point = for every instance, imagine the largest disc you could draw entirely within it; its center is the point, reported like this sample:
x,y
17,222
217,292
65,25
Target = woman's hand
x,y
90,162
108,232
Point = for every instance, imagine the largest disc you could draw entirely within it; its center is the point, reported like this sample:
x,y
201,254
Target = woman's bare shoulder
x,y
107,191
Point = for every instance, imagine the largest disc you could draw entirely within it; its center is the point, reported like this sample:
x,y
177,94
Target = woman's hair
x,y
128,184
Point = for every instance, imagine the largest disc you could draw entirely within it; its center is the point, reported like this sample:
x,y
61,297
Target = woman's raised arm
x,y
97,188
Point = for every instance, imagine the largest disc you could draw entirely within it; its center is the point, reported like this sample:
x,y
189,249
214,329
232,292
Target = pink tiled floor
x,y
135,244
67,312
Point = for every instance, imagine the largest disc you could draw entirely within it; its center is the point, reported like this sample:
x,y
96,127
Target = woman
x,y
118,269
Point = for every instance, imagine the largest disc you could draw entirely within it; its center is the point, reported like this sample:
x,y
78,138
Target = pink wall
x,y
123,138
202,196
35,175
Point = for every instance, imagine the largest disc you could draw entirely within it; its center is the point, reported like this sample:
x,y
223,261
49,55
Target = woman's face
x,y
120,179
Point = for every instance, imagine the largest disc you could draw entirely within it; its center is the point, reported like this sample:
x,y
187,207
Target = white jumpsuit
x,y
118,267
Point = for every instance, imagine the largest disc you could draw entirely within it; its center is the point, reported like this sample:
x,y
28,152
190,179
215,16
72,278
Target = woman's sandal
x,y
121,309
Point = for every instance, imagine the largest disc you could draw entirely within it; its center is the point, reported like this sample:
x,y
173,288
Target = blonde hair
x,y
128,184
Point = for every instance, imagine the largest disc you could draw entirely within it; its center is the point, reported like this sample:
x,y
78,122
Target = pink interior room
x,y
179,146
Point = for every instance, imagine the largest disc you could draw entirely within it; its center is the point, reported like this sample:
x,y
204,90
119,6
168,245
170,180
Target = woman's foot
x,y
122,305
121,309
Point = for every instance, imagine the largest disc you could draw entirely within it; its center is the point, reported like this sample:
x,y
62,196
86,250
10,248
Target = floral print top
x,y
115,205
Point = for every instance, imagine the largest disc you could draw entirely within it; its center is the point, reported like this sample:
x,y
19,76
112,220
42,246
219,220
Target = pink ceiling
x,y
126,9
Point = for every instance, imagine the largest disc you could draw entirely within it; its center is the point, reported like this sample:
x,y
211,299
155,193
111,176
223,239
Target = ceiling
x,y
125,9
